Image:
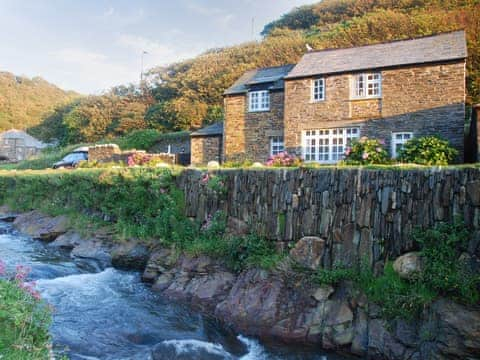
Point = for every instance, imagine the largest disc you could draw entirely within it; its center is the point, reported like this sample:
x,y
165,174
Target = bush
x,y
24,319
428,150
283,159
139,139
443,271
366,152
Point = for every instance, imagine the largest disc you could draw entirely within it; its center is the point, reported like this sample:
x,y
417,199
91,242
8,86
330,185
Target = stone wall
x,y
359,213
205,149
247,134
425,100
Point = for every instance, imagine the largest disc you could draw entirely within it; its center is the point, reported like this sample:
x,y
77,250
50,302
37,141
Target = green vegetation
x,y
24,321
443,274
25,102
145,139
428,150
188,94
140,203
366,152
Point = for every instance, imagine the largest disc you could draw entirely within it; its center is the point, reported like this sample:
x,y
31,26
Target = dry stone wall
x,y
358,213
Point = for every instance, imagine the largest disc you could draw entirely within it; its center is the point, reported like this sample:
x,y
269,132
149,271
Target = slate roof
x,y
431,49
273,75
211,130
29,141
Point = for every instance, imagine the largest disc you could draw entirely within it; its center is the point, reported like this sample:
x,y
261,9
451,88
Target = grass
x,y
24,323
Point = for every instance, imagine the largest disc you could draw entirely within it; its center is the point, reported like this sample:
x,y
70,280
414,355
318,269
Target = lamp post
x,y
141,72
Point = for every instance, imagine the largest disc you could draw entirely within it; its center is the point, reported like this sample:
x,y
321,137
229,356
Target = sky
x,y
91,45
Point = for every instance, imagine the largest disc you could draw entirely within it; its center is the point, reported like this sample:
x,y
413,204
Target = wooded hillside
x,y
26,102
188,94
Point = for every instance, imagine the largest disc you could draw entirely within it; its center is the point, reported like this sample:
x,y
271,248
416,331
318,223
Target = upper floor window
x,y
277,145
367,86
318,89
259,101
398,140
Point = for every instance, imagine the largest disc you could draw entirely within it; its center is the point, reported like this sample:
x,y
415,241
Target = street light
x,y
141,72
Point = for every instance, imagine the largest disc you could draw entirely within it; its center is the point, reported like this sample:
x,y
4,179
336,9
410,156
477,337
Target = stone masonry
x,y
205,149
425,100
247,134
358,213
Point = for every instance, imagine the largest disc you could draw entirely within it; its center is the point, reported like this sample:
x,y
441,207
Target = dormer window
x,y
367,86
258,101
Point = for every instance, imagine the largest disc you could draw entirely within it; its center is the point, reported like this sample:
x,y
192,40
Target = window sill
x,y
258,111
366,98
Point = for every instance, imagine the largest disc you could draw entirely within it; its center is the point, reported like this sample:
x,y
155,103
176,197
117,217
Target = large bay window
x,y
258,101
327,145
398,140
365,86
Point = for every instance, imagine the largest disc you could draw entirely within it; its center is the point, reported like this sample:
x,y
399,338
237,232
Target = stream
x,y
110,314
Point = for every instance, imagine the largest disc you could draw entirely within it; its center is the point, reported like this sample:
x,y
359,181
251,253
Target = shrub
x,y
428,150
366,152
283,159
139,139
237,164
215,183
144,159
443,272
24,319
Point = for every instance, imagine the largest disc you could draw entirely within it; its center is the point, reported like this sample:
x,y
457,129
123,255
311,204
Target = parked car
x,y
73,159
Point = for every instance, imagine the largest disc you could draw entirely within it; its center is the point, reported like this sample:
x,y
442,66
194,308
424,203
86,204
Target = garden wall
x,y
359,213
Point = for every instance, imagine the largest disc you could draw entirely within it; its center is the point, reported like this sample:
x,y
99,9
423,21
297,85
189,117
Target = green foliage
x,y
428,150
444,272
215,183
237,164
24,324
366,152
299,18
25,102
139,139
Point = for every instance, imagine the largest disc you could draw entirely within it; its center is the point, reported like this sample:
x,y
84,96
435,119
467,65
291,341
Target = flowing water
x,y
111,314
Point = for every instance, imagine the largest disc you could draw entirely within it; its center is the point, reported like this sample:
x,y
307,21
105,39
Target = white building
x,y
16,145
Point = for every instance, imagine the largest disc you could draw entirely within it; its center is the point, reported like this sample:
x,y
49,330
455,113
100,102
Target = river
x,y
110,314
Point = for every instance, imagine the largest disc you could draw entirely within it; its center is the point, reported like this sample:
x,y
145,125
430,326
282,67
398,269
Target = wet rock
x,y
408,265
41,226
360,334
68,240
160,261
130,256
6,214
92,249
308,252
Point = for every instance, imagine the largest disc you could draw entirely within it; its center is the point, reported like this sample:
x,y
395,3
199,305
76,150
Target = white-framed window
x,y
259,101
398,140
368,85
277,145
318,89
327,145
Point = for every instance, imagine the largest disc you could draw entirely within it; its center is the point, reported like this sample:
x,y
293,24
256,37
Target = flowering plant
x,y
215,183
366,152
283,159
143,159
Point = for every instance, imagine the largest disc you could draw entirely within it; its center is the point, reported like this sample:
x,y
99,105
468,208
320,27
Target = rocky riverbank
x,y
281,304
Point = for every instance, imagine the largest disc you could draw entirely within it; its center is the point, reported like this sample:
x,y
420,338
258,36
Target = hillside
x,y
188,94
25,102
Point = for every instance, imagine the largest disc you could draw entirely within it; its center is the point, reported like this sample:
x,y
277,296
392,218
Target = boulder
x,y
159,262
6,214
323,293
40,226
130,256
213,165
94,250
309,251
68,240
237,227
408,265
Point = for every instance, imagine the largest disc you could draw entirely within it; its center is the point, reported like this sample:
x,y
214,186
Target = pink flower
x,y
348,151
205,178
381,142
365,156
3,268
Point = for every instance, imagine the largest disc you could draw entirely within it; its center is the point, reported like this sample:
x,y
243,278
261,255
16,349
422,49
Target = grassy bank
x,y
24,321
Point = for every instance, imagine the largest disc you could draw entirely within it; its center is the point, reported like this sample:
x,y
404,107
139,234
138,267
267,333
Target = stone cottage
x,y
16,145
392,91
206,144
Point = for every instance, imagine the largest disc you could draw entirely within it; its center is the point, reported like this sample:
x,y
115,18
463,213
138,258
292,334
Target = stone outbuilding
x,y
206,144
17,145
